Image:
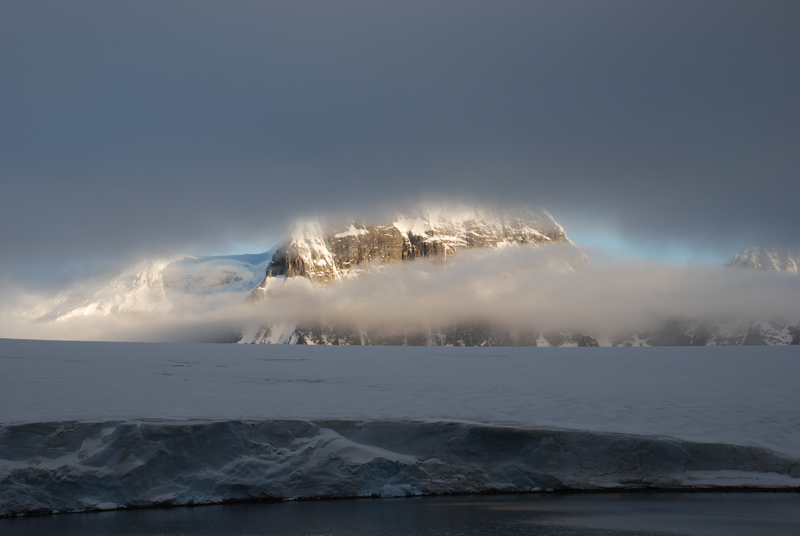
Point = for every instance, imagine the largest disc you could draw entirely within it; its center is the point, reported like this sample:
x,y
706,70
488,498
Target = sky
x,y
667,131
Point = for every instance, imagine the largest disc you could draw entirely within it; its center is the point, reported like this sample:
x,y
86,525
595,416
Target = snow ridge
x,y
152,287
774,259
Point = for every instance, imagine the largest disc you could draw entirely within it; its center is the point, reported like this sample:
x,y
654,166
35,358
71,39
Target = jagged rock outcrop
x,y
328,252
775,259
673,332
454,334
322,253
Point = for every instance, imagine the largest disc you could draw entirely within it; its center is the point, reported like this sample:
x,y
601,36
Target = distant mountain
x,y
150,287
139,290
325,253
775,259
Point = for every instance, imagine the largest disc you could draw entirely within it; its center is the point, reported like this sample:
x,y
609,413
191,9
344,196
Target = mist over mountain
x,y
331,251
338,252
462,276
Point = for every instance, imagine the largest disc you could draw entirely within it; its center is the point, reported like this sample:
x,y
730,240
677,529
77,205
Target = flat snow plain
x,y
745,396
742,395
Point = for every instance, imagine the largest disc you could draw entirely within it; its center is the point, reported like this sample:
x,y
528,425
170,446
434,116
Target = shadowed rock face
x,y
674,332
323,253
73,466
456,334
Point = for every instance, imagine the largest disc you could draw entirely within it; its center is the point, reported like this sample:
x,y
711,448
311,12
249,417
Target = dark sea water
x,y
645,513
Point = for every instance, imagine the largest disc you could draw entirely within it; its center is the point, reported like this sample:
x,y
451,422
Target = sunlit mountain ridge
x,y
442,276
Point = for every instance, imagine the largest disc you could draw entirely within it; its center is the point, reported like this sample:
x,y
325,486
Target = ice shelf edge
x,y
82,466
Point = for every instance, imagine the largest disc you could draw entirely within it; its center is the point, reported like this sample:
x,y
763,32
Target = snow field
x,y
739,395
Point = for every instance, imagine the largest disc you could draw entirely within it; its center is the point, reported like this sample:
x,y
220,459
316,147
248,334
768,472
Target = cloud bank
x,y
516,288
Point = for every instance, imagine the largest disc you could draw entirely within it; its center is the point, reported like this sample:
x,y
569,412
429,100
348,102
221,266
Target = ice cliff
x,y
76,466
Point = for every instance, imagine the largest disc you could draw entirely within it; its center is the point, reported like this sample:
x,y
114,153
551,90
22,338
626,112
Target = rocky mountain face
x,y
324,253
775,259
329,252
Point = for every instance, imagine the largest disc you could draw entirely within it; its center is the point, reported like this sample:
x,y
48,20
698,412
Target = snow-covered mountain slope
x,y
151,287
233,273
323,252
139,290
776,259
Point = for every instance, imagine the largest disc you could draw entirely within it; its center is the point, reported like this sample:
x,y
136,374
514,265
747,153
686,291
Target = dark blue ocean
x,y
632,513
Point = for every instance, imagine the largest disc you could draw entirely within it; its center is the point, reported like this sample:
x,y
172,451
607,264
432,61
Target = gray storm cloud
x,y
135,130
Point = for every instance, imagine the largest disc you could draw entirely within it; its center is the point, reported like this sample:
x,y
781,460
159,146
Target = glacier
x,y
95,426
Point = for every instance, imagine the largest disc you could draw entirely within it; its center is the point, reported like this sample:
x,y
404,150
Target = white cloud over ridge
x,y
517,288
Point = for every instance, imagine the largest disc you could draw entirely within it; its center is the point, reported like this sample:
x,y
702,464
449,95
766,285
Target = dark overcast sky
x,y
133,128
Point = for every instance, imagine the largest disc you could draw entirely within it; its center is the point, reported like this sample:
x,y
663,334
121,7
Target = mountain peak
x,y
328,251
772,259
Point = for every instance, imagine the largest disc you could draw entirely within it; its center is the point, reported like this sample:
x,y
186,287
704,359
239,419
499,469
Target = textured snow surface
x,y
100,466
351,231
219,422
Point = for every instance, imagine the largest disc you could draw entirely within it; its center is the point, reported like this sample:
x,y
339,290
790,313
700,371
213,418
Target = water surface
x,y
593,514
